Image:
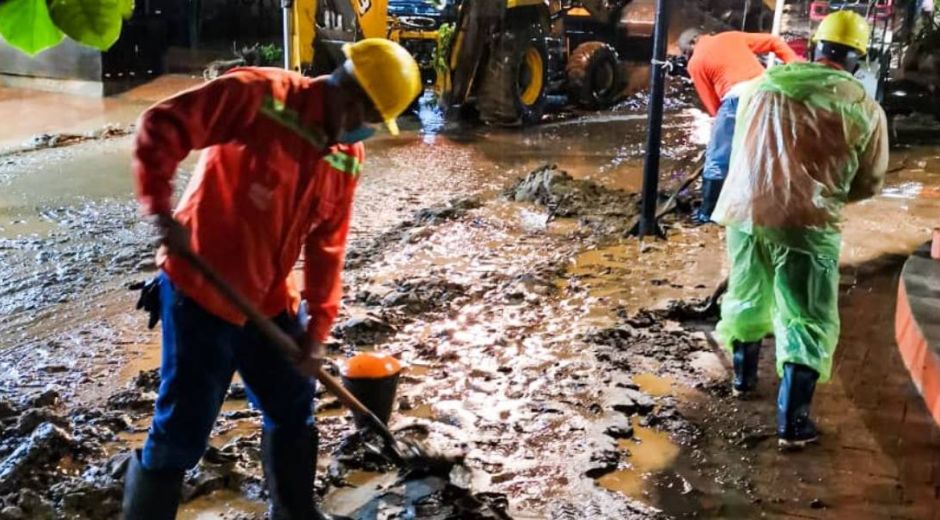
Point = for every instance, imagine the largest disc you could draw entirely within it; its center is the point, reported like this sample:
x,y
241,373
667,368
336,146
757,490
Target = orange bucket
x,y
373,378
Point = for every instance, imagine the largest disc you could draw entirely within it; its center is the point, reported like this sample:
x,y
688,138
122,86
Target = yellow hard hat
x,y
387,73
846,27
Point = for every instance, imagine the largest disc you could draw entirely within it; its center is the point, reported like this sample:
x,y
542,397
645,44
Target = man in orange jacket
x,y
281,157
719,65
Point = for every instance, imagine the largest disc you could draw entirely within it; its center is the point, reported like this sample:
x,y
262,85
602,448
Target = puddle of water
x,y
146,359
332,412
422,411
654,385
634,275
240,428
219,505
93,170
132,439
651,451
366,485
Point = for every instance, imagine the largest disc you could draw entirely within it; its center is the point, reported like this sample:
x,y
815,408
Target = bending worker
x,y
808,141
719,65
277,174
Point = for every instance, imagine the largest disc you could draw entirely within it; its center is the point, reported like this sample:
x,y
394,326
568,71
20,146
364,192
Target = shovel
x,y
289,348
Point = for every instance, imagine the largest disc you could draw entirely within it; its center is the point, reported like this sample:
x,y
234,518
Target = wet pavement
x,y
521,311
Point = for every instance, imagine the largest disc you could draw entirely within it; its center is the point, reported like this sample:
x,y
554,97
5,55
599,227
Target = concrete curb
x,y
917,325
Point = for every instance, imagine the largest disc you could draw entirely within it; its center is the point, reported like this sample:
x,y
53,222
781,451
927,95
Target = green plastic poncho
x,y
808,140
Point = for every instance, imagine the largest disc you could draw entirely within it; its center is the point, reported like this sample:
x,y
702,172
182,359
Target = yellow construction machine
x,y
319,28
508,56
500,59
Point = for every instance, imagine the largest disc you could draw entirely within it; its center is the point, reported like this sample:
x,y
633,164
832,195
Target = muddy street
x,y
549,349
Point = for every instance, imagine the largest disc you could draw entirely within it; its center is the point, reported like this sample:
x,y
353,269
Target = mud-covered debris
x,y
644,403
86,500
12,513
46,445
625,406
566,196
233,467
642,319
53,368
619,431
603,462
363,450
148,380
359,253
434,497
448,211
7,408
418,295
622,510
35,506
113,420
133,399
55,140
47,397
364,330
695,309
30,419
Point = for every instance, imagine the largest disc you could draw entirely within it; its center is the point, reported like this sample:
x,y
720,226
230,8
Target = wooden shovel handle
x,y
287,345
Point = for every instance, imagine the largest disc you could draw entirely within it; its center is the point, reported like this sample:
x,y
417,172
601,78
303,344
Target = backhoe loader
x,y
508,56
319,28
501,58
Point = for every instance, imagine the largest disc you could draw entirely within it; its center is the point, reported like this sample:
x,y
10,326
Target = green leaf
x,y
26,25
96,23
127,9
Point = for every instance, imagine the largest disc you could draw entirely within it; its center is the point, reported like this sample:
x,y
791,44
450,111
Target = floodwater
x,y
492,304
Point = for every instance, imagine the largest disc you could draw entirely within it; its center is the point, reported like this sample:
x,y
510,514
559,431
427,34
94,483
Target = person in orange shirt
x,y
280,162
719,66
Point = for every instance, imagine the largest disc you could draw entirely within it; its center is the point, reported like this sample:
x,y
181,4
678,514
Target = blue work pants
x,y
718,152
201,353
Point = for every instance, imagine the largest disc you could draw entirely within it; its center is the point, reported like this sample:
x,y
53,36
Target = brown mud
x,y
541,343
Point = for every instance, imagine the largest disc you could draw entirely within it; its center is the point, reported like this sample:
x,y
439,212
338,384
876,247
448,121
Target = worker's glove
x,y
311,358
172,234
149,299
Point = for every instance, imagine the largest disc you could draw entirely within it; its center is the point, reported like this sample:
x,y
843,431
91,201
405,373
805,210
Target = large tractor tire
x,y
515,77
593,75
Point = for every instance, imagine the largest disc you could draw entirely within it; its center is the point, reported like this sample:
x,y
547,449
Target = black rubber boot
x,y
745,358
795,429
711,189
150,495
290,463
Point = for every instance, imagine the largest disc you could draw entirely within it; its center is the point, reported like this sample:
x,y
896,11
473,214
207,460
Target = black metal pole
x,y
648,225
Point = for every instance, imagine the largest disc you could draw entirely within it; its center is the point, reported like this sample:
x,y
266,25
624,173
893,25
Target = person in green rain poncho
x,y
808,141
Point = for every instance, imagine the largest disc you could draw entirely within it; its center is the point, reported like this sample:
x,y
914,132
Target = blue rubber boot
x,y
794,427
711,189
745,359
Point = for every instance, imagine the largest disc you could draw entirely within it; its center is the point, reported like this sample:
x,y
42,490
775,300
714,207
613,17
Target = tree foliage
x,y
33,26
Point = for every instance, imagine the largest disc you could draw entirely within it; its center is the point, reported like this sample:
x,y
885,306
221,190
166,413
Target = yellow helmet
x,y
387,73
846,27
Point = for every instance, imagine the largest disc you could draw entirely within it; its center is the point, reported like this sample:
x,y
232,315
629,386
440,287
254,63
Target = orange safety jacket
x,y
265,186
721,61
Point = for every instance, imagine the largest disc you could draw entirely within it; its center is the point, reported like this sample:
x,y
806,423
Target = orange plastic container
x,y
373,378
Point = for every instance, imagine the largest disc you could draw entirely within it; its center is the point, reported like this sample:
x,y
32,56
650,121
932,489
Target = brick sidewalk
x,y
879,456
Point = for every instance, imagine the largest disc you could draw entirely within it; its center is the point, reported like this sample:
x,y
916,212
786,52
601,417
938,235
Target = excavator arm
x,y
477,21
